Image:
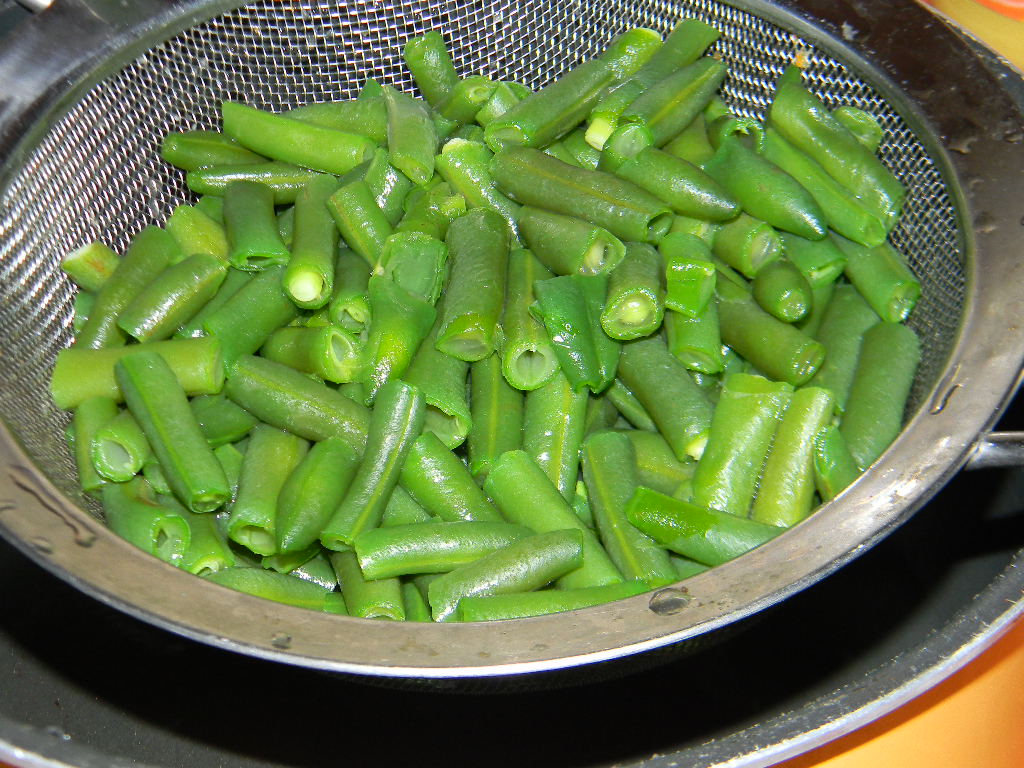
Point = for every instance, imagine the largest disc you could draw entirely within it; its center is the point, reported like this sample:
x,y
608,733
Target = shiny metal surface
x,y
78,141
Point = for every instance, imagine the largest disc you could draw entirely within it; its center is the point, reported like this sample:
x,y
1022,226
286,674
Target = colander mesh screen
x,y
97,173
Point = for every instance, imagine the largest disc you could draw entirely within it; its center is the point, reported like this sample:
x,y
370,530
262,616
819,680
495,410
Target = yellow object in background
x,y
997,23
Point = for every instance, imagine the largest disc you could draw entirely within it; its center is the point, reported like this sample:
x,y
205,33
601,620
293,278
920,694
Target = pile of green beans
x,y
493,352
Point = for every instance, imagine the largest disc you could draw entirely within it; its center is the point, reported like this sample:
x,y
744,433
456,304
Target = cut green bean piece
x,y
567,245
820,261
401,322
389,186
350,305
191,150
692,144
90,266
279,587
293,141
478,245
782,351
363,116
442,380
889,356
575,143
287,562
689,273
361,222
377,599
270,458
782,291
284,179
159,404
246,320
91,415
785,494
747,244
821,296
329,352
208,550
403,509
251,225
412,138
119,448
439,481
834,468
611,478
527,564
601,414
532,177
196,232
232,284
748,412
527,497
466,98
312,492
465,165
432,547
527,358
133,514
173,298
497,415
845,321
431,66
502,98
863,125
705,535
309,277
705,230
671,104
416,608
554,422
656,465
83,373
82,306
635,303
882,276
396,421
675,403
631,409
520,605
417,262
287,399
151,251
696,342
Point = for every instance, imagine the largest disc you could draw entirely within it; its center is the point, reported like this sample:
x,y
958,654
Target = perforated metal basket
x,y
89,88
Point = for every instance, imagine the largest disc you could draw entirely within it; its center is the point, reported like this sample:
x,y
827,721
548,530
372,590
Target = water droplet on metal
x,y
281,640
57,732
669,601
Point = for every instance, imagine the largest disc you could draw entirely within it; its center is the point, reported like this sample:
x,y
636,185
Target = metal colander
x,y
80,144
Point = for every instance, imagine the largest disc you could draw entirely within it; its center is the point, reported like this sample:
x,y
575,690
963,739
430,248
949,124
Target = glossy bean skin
x,y
437,479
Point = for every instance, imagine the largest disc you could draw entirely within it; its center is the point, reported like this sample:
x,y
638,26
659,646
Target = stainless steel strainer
x,y
89,88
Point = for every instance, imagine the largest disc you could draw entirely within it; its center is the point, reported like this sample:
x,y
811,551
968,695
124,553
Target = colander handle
x,y
997,449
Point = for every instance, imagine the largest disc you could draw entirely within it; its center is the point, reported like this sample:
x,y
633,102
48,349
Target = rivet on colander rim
x,y
669,601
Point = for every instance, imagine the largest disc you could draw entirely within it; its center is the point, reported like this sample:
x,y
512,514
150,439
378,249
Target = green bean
x,y
329,352
465,166
401,322
780,350
288,562
431,66
692,144
251,226
527,564
889,356
527,358
90,266
377,599
863,125
191,150
782,291
669,105
152,250
208,550
232,284
581,505
882,276
220,420
349,307
785,495
497,415
566,245
845,321
601,414
362,224
196,232
417,262
519,605
212,206
279,587
415,605
635,303
502,98
412,138
747,244
438,480
403,509
629,407
820,261
284,398
389,186
834,467
119,448
466,98
610,475
745,420
821,295
309,277
91,415
677,406
430,548
705,230
575,143
312,492
293,141
656,465
554,421
230,457
525,495
696,342
442,380
134,515
708,536
478,246
159,404
284,179
81,308
270,458
363,116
